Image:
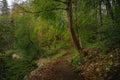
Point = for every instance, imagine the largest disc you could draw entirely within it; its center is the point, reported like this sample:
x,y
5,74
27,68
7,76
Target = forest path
x,y
55,70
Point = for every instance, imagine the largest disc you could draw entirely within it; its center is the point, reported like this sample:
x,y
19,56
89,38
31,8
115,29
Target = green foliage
x,y
17,69
6,32
108,37
47,8
74,61
87,22
2,68
55,50
23,38
45,33
59,54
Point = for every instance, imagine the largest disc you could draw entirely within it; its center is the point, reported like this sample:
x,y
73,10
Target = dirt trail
x,y
56,70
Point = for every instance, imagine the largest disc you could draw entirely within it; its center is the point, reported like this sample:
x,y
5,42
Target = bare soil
x,y
56,70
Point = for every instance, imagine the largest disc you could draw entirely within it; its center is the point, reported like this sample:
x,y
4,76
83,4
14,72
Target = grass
x,y
59,54
74,60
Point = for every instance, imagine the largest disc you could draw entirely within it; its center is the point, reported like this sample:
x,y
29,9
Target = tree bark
x,y
100,13
118,2
109,9
71,26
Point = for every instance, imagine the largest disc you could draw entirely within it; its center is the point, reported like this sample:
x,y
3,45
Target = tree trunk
x,y
100,13
71,26
118,2
109,9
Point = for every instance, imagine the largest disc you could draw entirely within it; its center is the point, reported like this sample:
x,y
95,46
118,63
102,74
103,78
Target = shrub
x,y
17,69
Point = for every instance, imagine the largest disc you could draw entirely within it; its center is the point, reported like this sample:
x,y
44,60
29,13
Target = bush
x,y
17,69
109,36
2,68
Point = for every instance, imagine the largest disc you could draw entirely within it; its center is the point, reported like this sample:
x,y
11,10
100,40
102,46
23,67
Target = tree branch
x,y
47,10
60,1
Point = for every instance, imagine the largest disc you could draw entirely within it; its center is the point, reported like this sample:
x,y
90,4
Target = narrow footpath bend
x,y
56,70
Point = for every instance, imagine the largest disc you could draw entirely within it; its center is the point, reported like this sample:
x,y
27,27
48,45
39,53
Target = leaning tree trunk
x,y
71,26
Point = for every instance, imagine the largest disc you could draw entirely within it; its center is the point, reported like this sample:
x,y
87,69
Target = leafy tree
x,y
53,5
5,9
6,27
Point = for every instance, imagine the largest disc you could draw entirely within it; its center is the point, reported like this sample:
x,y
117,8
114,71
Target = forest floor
x,y
57,69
